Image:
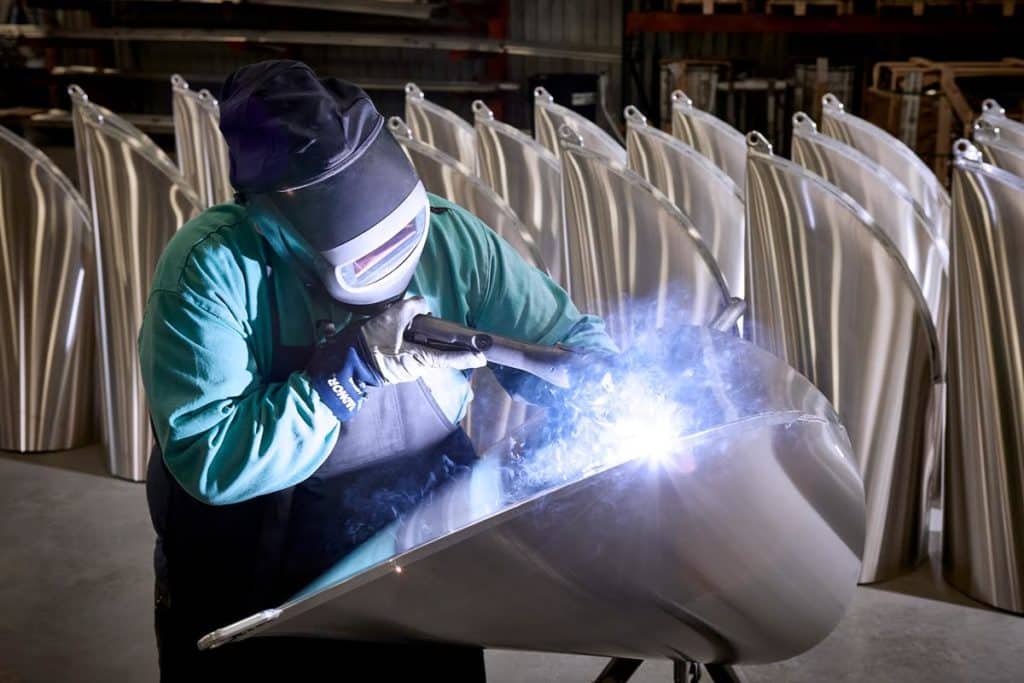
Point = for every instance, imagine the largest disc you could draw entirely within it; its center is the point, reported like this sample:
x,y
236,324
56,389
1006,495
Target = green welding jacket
x,y
229,434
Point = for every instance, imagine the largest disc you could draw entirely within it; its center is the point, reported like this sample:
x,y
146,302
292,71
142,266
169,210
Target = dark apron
x,y
218,564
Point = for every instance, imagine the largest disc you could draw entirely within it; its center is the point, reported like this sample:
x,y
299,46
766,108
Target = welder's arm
x,y
227,435
521,302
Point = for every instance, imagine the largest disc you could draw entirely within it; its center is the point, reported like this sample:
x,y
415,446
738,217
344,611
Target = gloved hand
x,y
340,374
374,352
398,360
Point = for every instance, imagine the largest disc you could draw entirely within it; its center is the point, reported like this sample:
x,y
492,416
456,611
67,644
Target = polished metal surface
x,y
701,190
548,117
892,155
1011,131
47,347
996,150
633,256
925,253
828,292
439,127
983,547
492,414
138,200
890,204
202,151
711,136
739,542
529,178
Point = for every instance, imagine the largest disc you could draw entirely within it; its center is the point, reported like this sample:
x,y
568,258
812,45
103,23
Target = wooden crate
x,y
918,7
886,110
922,103
799,7
708,6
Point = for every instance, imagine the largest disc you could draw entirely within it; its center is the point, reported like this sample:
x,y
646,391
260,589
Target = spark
x,y
615,421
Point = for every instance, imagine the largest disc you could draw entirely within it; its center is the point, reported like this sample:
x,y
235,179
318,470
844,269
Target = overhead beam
x,y
414,9
672,22
366,83
412,41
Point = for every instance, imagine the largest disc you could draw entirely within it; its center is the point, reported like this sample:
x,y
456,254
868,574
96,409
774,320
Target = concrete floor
x,y
76,584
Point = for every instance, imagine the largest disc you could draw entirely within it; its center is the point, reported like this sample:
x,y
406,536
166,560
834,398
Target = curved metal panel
x,y
828,292
991,142
439,127
139,199
1011,132
925,253
632,253
529,178
46,304
702,191
202,151
711,136
446,177
983,548
891,206
892,155
739,542
548,117
492,414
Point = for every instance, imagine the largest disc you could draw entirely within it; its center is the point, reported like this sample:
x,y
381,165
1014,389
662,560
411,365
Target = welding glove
x,y
398,360
374,352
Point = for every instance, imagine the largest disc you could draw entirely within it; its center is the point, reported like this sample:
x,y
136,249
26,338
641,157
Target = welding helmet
x,y
324,180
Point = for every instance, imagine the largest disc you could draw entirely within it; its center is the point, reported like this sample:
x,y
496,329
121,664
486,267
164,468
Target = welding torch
x,y
553,364
556,365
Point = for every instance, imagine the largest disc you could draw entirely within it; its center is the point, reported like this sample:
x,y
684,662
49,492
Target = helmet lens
x,y
381,261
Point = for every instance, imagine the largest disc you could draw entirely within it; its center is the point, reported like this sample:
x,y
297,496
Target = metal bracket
x,y
685,671
724,673
618,670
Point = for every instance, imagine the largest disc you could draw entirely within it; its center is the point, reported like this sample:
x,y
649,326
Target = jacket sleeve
x,y
226,434
516,300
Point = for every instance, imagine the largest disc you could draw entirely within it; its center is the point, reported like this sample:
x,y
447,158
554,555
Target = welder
x,y
292,417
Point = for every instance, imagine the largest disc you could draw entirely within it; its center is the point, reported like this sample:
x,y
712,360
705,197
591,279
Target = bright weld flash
x,y
641,422
616,421
653,432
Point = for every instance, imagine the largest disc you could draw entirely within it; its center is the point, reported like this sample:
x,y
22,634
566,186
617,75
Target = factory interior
x,y
682,342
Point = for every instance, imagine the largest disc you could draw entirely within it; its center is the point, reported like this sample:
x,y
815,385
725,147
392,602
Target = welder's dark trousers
x,y
283,660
